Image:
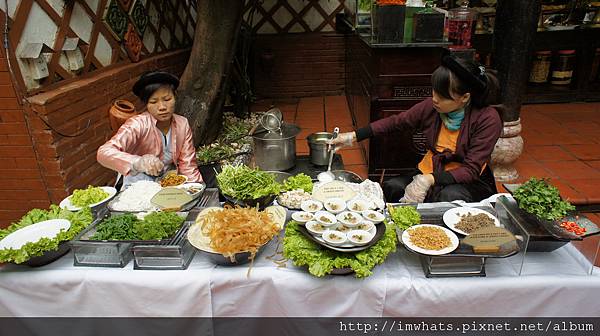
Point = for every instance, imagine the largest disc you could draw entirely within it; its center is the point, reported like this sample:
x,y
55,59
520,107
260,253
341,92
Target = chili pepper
x,y
572,226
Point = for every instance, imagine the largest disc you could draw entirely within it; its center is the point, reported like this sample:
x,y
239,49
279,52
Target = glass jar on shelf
x,y
461,25
562,70
540,67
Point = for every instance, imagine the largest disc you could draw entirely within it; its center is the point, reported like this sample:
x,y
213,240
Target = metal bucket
x,y
317,142
274,151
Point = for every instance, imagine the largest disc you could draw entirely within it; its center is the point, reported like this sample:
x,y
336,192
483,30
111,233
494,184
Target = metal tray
x,y
178,252
185,208
86,234
545,236
433,214
541,227
118,253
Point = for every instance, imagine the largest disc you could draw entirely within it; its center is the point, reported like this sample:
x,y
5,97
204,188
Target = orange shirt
x,y
446,140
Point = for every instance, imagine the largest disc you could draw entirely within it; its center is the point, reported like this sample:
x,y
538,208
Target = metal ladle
x,y
327,176
271,120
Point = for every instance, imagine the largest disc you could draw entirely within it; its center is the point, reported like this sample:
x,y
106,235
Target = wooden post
x,y
514,32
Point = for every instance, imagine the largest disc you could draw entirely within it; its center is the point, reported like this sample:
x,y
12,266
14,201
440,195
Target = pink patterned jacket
x,y
139,136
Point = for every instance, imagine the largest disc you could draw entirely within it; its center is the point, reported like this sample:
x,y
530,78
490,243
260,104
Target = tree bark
x,y
202,89
514,32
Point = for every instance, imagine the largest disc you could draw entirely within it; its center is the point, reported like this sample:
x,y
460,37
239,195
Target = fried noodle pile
x,y
237,229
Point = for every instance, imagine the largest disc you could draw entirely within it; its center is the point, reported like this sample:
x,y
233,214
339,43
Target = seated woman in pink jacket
x,y
155,141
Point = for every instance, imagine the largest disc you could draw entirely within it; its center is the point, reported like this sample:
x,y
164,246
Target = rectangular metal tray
x,y
103,253
177,253
119,253
434,213
544,228
436,267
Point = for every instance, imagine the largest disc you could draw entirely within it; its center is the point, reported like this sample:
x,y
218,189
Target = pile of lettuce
x,y
404,216
300,181
91,195
79,221
321,261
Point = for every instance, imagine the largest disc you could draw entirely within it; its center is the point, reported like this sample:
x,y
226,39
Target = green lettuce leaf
x,y
79,221
321,261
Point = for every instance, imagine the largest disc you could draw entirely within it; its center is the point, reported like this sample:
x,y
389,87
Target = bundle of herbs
x,y
541,199
233,141
244,183
154,226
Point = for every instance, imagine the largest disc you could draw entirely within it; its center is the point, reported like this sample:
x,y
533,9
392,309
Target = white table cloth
x,y
550,282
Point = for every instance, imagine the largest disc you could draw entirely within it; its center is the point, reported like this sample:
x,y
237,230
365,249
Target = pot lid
x,y
287,131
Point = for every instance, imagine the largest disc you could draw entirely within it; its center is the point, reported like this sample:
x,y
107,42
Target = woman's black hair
x,y
457,76
149,90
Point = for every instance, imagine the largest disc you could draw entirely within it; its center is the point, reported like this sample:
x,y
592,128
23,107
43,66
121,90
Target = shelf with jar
x,y
570,53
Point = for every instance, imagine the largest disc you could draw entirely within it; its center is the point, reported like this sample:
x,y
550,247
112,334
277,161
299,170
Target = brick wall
x,y
65,127
21,183
302,65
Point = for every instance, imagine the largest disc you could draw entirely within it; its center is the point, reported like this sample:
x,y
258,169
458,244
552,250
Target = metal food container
x,y
170,253
276,150
317,142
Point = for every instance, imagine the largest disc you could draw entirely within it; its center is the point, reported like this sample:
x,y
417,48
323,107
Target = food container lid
x,y
287,131
171,198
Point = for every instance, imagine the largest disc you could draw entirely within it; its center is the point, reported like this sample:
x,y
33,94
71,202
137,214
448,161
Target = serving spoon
x,y
327,176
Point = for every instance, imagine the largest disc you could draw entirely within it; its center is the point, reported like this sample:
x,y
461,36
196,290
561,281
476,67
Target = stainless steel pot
x,y
274,151
317,142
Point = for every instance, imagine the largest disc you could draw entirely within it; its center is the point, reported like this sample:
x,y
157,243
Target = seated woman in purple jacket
x,y
461,130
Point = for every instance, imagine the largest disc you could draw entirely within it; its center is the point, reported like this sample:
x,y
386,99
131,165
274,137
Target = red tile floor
x,y
561,142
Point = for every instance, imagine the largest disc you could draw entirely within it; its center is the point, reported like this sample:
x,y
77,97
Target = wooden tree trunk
x,y
202,90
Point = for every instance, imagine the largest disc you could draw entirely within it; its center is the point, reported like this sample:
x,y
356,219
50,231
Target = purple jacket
x,y
479,132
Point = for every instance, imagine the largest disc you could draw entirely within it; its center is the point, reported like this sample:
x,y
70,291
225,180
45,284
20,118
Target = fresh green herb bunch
x,y
118,227
79,221
213,152
244,183
304,252
541,199
404,216
158,225
155,226
236,130
300,181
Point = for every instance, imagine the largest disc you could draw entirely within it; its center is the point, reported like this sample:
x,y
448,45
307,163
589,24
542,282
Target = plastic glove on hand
x,y
343,140
148,164
416,191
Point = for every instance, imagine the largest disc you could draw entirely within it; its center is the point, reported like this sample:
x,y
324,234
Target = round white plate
x,y
452,217
66,203
34,232
450,234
